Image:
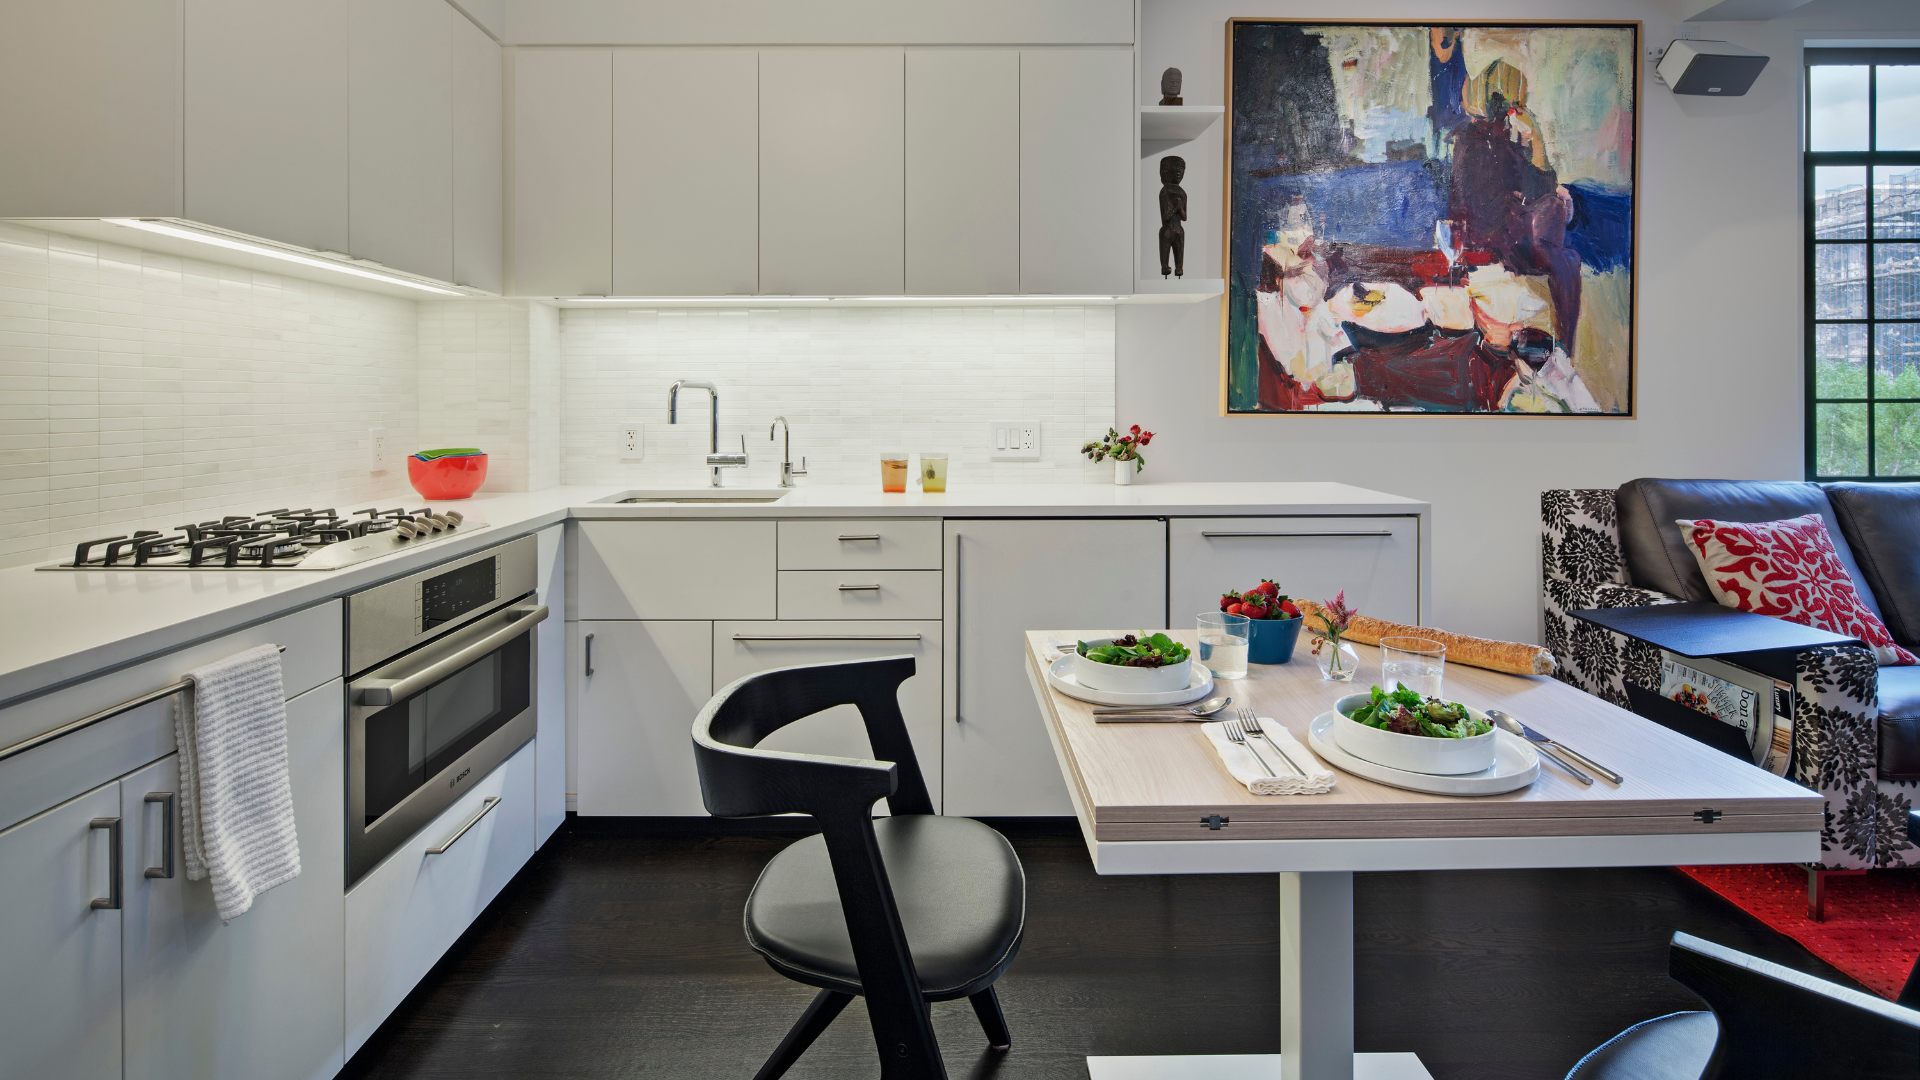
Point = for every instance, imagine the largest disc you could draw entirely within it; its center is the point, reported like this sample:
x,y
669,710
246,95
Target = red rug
x,y
1872,930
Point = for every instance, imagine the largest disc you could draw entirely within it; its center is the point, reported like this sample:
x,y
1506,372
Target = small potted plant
x,y
1338,661
1274,625
1122,448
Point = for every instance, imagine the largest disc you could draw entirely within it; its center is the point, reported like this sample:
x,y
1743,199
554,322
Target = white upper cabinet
x,y
561,232
686,215
831,160
479,204
266,118
963,172
400,62
1077,155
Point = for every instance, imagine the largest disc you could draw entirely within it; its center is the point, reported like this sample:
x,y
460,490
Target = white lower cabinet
x,y
743,648
1005,577
404,914
639,685
1376,560
259,998
60,995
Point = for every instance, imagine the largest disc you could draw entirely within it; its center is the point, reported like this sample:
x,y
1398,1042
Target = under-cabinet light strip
x,y
754,301
166,229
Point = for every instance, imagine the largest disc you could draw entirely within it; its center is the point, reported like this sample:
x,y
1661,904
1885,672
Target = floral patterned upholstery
x,y
1835,703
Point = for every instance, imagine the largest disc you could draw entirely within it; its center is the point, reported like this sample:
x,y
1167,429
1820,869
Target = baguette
x,y
1512,657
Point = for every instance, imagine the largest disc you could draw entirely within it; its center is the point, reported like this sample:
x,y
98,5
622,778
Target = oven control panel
x,y
448,596
398,615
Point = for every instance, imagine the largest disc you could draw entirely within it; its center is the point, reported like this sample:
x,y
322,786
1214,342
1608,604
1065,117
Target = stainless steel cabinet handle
x,y
165,869
1212,535
104,714
826,637
861,536
385,691
485,808
589,655
959,605
859,588
111,901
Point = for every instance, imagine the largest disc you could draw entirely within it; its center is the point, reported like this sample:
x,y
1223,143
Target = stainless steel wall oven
x,y
440,690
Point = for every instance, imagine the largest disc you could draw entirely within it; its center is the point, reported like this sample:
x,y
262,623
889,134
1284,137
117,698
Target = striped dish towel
x,y
236,801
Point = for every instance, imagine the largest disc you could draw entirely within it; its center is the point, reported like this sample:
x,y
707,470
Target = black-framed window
x,y
1863,264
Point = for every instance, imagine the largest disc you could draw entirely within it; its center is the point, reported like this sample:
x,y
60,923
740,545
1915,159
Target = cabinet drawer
x,y
859,594
1375,559
670,570
408,910
860,545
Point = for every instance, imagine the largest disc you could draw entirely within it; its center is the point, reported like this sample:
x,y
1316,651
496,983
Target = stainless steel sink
x,y
698,496
700,501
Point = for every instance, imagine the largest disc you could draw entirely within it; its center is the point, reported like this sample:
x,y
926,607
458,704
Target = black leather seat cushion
x,y
1672,1047
958,885
1882,524
1658,557
1900,723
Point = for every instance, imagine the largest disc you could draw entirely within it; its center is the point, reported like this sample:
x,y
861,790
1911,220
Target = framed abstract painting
x,y
1433,219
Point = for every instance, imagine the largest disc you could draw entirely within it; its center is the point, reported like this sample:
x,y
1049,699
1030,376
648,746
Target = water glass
x,y
1223,643
893,472
1414,662
933,472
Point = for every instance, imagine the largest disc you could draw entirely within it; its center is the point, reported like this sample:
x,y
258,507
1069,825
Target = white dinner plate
x,y
1060,677
1515,765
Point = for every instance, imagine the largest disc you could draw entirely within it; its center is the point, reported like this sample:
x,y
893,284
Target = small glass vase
x,y
1123,472
1338,661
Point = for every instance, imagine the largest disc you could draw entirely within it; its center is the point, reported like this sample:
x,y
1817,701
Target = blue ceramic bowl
x,y
1271,641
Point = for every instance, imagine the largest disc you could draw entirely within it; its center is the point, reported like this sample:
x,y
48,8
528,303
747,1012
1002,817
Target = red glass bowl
x,y
447,477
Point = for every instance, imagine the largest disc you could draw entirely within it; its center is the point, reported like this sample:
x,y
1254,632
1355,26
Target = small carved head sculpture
x,y
1172,169
1170,83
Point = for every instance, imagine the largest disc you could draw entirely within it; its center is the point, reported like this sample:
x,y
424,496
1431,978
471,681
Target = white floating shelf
x,y
1176,290
1177,123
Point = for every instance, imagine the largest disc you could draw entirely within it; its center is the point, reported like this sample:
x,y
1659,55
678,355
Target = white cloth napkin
x,y
1246,768
236,798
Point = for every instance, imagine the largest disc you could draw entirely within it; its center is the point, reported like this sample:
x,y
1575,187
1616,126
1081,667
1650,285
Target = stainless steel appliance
x,y
284,539
440,690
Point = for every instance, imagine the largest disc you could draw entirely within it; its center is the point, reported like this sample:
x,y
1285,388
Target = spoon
x,y
1204,709
1514,727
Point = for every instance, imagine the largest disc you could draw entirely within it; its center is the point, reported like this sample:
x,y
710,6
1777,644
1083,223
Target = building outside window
x,y
1863,264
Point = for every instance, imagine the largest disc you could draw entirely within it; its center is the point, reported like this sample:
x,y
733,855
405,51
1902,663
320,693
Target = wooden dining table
x,y
1155,798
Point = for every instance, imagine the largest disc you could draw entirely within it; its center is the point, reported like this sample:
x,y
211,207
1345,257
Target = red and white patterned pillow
x,y
1789,570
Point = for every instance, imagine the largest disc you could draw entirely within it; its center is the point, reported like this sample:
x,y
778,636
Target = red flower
x,y
1135,429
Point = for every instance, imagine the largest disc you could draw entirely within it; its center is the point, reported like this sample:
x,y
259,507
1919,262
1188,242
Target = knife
x,y
1516,727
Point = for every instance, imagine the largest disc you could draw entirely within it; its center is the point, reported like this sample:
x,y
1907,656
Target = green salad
x,y
1154,650
1407,713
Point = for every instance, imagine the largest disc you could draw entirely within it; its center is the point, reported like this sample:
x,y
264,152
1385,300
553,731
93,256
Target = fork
x,y
1238,734
1250,723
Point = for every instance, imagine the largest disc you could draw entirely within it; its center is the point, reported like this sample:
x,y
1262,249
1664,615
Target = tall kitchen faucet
x,y
715,459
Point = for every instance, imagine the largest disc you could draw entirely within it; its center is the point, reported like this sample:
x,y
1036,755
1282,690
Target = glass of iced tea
x,y
933,472
893,472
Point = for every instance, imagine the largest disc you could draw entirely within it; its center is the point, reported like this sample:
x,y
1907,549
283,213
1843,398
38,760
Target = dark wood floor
x,y
617,954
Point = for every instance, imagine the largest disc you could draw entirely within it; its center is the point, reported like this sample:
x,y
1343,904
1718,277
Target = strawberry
x,y
1230,598
1234,609
1253,611
1267,588
1291,609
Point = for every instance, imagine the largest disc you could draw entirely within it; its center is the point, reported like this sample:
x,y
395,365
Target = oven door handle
x,y
389,690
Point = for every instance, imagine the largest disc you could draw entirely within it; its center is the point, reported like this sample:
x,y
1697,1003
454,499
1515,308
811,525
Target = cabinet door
x,y
743,648
201,997
479,211
562,231
686,161
831,161
672,570
550,667
266,119
1003,579
1077,160
963,172
635,716
1375,559
406,912
60,999
401,136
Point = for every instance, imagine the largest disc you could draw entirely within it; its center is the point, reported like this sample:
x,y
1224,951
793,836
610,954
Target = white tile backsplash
x,y
139,389
853,382
490,378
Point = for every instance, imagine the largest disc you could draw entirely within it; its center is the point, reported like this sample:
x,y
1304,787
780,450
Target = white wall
x,y
490,377
147,390
853,382
1720,333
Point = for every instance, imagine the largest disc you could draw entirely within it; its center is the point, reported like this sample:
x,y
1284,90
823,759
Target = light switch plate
x,y
631,440
1014,440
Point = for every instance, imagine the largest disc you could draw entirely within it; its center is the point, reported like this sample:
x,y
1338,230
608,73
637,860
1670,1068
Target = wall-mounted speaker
x,y
1709,68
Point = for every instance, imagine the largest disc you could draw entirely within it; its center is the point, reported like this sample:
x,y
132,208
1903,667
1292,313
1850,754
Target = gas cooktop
x,y
283,539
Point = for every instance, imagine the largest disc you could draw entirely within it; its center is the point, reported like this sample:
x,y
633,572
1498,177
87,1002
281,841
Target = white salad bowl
x,y
1131,680
1413,753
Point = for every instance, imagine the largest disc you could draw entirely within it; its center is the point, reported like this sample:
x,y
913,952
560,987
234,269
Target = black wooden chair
x,y
1768,1023
906,910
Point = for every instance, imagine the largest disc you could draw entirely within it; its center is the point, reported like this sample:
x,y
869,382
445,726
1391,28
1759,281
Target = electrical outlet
x,y
377,449
632,440
1014,440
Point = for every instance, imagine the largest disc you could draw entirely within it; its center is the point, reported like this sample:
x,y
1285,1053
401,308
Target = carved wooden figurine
x,y
1173,211
1170,87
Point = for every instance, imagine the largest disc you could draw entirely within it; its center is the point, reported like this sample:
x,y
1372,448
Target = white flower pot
x,y
1123,473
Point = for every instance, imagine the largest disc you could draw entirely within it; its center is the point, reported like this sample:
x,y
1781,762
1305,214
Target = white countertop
x,y
64,626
